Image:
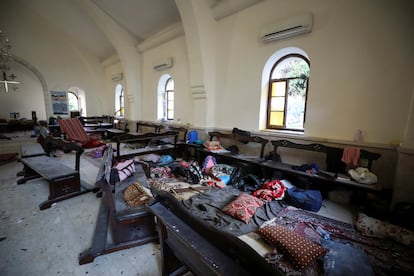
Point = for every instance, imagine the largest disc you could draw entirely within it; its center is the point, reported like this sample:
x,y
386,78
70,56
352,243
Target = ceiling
x,y
141,18
70,20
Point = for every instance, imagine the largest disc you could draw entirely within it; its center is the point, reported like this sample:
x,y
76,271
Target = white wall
x,y
361,61
113,67
27,97
361,66
61,63
183,109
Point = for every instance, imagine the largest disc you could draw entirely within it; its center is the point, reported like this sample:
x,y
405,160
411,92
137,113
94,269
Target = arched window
x,y
76,101
166,98
73,102
119,101
169,99
288,87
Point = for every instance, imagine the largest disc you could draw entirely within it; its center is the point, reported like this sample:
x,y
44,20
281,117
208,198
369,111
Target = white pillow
x,y
372,227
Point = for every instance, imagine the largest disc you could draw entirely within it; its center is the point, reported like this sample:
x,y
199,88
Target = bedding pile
x,y
386,256
298,241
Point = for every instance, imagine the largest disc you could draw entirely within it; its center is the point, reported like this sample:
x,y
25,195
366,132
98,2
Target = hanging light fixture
x,y
6,59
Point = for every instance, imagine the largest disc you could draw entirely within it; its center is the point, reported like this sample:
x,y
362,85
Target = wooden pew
x,y
145,127
332,161
182,132
139,144
248,161
64,182
31,150
190,244
129,226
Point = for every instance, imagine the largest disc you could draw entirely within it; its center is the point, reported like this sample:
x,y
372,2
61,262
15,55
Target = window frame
x,y
167,100
77,101
269,96
119,101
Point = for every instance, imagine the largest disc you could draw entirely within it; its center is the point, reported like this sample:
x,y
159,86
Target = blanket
x,y
386,256
208,205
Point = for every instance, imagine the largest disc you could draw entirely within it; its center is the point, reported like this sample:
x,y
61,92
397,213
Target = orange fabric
x,y
351,156
74,130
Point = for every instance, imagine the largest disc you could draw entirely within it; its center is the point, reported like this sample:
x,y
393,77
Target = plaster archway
x,y
36,72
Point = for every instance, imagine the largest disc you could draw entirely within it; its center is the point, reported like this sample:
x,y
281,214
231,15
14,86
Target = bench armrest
x,y
53,142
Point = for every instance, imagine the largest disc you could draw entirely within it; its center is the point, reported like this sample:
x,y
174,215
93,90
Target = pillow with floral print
x,y
243,207
372,227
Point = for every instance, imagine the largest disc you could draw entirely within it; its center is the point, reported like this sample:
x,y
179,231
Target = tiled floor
x,y
48,242
34,242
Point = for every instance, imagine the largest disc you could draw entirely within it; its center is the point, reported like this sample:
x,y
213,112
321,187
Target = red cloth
x,y
351,156
271,190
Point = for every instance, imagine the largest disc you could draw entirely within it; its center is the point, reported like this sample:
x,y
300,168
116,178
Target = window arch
x,y
76,100
285,80
73,101
119,101
169,99
166,98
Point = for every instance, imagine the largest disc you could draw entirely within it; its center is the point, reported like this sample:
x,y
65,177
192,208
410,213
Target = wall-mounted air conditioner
x,y
165,64
117,77
291,26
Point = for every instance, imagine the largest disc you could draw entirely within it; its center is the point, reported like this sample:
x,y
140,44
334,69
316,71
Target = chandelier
x,y
6,59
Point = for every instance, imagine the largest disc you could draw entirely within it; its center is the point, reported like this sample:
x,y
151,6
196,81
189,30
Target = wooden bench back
x,y
144,138
95,119
142,127
333,154
240,138
182,132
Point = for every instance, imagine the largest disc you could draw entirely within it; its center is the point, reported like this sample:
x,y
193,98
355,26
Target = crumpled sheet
x,y
208,205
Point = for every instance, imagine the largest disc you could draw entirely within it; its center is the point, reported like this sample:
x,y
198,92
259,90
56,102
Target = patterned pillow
x,y
298,250
372,227
243,207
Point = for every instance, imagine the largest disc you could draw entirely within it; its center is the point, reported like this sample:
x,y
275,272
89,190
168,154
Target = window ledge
x,y
284,133
272,134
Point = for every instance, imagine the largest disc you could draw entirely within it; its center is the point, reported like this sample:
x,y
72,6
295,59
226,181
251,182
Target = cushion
x,y
298,250
243,207
74,130
372,227
338,262
135,195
